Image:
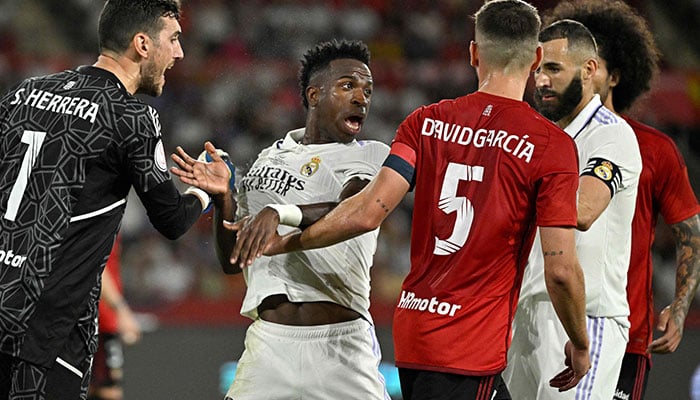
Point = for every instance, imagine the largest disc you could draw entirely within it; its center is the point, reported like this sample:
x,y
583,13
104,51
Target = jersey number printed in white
x,y
450,202
34,140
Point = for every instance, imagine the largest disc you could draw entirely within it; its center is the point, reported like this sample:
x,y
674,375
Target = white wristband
x,y
203,196
290,214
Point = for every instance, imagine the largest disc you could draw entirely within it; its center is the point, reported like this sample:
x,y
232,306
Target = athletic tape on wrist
x,y
203,197
290,214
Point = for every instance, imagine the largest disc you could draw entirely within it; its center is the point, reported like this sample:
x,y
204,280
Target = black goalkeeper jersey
x,y
72,144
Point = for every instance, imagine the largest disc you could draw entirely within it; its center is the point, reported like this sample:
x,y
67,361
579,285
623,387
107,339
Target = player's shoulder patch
x,y
159,157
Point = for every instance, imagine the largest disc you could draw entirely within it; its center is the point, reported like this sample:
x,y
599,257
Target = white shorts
x,y
536,355
336,361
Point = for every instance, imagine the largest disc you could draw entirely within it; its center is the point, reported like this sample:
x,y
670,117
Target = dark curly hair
x,y
318,58
624,42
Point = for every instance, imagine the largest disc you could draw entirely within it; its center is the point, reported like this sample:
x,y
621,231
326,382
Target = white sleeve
x,y
366,160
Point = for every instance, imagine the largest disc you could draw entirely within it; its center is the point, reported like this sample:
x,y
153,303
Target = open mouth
x,y
354,123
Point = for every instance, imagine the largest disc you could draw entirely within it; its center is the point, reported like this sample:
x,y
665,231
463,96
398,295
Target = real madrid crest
x,y
604,171
310,167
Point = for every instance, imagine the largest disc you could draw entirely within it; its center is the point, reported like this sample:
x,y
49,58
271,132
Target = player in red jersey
x,y
487,170
628,61
117,326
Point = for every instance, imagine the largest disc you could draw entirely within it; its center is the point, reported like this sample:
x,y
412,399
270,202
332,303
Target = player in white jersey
x,y
312,335
610,166
289,172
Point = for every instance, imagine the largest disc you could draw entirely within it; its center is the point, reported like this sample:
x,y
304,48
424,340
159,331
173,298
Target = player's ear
x,y
312,95
589,69
614,78
539,55
141,43
473,54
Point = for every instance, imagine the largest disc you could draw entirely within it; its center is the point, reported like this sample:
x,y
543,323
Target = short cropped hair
x,y
120,20
506,32
320,56
581,42
624,42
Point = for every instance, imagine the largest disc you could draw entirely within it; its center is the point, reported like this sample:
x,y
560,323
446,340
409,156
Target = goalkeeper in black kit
x,y
72,145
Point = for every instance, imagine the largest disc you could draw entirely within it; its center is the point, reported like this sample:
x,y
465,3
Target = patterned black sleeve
x,y
170,212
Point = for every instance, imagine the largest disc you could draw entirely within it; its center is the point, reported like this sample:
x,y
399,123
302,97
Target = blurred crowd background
x,y
237,86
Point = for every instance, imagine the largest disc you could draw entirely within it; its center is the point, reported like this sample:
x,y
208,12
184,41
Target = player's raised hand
x,y
211,172
577,362
672,328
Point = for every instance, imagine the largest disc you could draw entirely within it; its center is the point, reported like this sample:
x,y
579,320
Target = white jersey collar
x,y
293,140
584,117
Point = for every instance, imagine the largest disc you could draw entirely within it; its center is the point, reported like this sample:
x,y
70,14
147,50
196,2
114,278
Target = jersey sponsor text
x,y
8,257
273,179
518,146
433,305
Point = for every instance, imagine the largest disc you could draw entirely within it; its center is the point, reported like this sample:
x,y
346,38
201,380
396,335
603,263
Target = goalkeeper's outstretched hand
x,y
212,172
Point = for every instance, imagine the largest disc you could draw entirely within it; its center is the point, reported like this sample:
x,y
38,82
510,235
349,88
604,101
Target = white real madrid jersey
x,y
604,249
289,172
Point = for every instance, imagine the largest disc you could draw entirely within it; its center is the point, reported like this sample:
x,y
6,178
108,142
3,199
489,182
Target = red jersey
x,y
487,171
663,188
108,322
